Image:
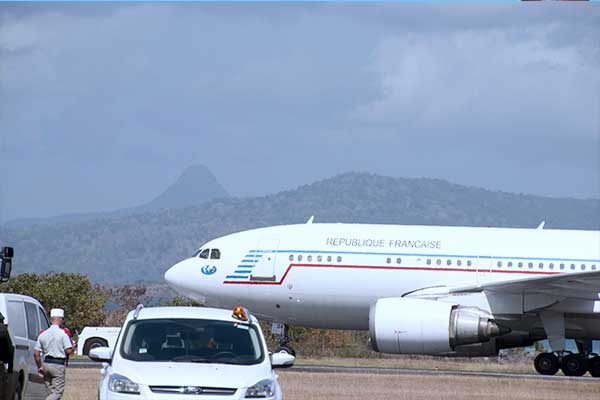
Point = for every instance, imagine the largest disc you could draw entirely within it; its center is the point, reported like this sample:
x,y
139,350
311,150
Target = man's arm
x,y
69,351
38,360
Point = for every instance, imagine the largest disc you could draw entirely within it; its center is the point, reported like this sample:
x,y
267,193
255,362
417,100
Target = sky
x,y
102,106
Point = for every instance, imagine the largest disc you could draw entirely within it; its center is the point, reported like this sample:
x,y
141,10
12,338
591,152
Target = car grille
x,y
197,390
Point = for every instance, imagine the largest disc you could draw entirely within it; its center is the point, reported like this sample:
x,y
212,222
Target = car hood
x,y
193,374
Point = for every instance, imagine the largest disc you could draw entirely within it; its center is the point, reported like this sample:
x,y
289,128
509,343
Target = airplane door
x,y
484,269
264,269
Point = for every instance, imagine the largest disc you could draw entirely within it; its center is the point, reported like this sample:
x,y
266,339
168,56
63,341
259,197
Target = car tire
x,y
92,344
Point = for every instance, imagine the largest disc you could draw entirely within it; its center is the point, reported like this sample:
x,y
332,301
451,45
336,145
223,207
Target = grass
x,y
82,384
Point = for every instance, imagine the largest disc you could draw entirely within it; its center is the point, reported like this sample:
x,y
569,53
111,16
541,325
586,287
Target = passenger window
x,y
520,264
438,262
510,264
16,319
459,263
299,257
448,262
398,261
551,265
215,254
43,320
328,258
339,258
204,253
593,267
469,263
388,260
530,265
33,322
499,263
429,261
309,258
572,266
583,267
562,266
541,265
291,257
319,258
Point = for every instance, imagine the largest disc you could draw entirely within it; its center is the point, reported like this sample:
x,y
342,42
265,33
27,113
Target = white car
x,y
169,352
25,318
96,336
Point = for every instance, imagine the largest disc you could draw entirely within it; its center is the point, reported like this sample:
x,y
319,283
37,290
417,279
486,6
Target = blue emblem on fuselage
x,y
209,269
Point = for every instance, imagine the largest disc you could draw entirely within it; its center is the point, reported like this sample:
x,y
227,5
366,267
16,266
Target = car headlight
x,y
121,384
262,389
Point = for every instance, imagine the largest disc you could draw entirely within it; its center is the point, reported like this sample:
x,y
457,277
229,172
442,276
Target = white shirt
x,y
53,342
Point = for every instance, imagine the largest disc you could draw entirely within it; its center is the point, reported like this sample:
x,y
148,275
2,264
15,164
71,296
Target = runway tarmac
x,y
393,371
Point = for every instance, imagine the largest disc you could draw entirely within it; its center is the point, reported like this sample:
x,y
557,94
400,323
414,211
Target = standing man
x,y
56,346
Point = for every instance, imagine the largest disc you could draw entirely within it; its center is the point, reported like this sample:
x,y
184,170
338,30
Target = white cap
x,y
57,312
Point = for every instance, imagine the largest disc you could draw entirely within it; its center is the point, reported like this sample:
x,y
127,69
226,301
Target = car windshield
x,y
192,340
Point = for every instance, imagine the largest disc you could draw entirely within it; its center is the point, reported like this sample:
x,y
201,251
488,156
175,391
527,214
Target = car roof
x,y
20,297
187,312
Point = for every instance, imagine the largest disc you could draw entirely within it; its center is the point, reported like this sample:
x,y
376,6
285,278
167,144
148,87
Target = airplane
x,y
449,291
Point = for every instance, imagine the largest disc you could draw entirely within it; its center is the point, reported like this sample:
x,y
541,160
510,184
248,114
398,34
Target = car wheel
x,y
92,344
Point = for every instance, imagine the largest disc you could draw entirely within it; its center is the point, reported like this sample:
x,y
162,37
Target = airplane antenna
x,y
541,225
310,220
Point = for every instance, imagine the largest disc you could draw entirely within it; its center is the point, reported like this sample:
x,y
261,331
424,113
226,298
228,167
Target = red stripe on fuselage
x,y
383,267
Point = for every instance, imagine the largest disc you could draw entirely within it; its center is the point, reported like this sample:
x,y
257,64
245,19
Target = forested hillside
x,y
141,247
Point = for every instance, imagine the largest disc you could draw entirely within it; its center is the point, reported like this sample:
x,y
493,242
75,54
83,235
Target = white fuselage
x,y
328,275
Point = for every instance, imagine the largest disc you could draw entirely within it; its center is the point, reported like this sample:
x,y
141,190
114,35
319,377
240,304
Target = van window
x,y
16,318
33,321
43,320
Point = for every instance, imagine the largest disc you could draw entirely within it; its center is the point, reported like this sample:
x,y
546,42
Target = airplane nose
x,y
178,275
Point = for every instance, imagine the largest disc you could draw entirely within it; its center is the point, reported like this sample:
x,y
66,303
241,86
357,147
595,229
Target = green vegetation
x,y
83,302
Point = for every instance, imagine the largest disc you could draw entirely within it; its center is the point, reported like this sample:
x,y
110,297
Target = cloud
x,y
123,93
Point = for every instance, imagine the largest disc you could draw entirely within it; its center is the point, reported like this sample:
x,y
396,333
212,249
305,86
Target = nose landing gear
x,y
282,330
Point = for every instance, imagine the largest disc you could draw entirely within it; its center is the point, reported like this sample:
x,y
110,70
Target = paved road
x,y
391,371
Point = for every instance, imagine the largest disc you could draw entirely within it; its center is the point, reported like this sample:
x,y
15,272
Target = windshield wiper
x,y
193,359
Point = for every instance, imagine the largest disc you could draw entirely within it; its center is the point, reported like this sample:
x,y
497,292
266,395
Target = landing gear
x,y
282,331
571,364
574,364
546,364
594,366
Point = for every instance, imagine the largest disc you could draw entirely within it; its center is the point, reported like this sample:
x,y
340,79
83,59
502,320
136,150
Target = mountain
x,y
195,186
141,247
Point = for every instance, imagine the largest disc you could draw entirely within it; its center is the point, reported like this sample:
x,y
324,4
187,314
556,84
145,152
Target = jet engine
x,y
416,326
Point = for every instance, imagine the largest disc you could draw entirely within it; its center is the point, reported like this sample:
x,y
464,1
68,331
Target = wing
x,y
578,285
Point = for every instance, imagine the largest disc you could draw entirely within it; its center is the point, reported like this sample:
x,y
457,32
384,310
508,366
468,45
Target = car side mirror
x,y
100,354
5,269
282,360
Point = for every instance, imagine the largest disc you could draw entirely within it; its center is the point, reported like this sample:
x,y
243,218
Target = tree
x,y
83,302
178,301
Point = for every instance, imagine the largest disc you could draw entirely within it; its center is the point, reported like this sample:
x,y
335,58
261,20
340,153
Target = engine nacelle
x,y
416,326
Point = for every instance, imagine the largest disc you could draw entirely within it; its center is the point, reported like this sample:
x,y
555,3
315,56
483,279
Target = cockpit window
x,y
215,254
204,253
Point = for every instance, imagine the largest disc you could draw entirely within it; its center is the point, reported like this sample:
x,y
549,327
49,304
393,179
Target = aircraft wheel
x,y
594,366
546,364
285,349
574,365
